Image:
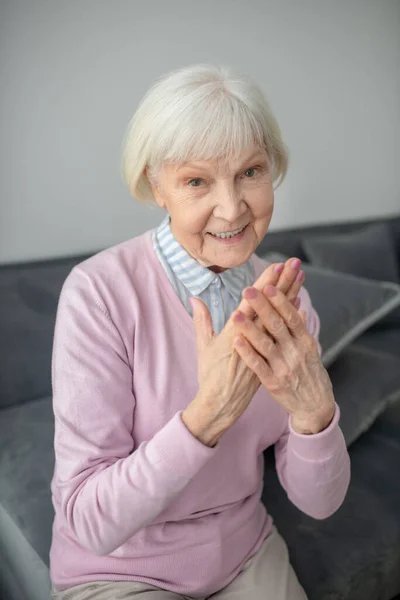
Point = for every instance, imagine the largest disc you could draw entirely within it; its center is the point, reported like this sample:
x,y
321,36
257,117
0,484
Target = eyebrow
x,y
192,164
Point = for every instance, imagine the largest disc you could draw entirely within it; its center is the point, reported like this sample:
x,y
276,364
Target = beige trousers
x,y
268,575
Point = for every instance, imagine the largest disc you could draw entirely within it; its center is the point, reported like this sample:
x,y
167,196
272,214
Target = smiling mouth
x,y
228,234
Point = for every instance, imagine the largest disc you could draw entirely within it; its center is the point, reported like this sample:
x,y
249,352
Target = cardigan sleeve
x,y
314,469
105,487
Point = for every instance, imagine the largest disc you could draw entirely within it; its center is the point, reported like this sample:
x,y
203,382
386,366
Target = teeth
x,y
228,234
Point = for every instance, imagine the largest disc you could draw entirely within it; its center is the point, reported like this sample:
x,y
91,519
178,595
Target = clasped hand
x,y
285,358
265,342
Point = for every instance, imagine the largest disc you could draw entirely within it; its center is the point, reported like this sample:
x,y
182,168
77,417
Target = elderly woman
x,y
179,357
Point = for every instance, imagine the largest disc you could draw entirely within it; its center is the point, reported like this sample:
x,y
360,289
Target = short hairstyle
x,y
198,112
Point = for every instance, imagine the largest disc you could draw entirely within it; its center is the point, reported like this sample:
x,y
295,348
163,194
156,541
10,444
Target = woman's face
x,y
205,198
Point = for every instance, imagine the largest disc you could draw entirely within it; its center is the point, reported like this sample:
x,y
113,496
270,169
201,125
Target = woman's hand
x,y
289,280
226,383
285,358
286,277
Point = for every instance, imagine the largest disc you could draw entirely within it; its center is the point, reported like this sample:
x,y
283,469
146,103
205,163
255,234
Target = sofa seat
x,y
26,467
355,554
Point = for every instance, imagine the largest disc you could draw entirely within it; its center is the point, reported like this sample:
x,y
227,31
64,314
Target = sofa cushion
x,y
28,304
23,574
289,241
356,552
381,337
26,468
365,381
347,305
369,252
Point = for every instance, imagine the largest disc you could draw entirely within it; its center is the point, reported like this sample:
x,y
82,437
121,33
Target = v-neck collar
x,y
190,273
181,315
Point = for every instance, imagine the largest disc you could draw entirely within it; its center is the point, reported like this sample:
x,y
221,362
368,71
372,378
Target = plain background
x,y
73,72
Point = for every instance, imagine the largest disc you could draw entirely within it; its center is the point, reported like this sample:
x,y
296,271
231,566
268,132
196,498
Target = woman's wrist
x,y
316,424
201,423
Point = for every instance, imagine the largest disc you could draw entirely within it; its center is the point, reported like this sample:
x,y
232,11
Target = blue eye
x,y
196,179
253,170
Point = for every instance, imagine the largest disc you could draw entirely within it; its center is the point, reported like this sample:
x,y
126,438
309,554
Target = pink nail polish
x,y
250,293
279,268
238,317
297,303
269,290
295,263
300,276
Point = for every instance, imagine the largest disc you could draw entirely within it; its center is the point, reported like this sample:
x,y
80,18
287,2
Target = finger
x,y
261,341
293,291
292,318
288,275
202,323
272,321
270,276
303,316
252,359
257,322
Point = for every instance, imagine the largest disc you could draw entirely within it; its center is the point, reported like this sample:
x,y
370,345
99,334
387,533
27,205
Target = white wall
x,y
72,73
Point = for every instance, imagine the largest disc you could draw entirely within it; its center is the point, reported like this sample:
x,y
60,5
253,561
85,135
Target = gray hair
x,y
199,112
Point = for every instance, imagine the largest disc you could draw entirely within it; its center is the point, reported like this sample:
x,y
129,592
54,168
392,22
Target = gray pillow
x,y
364,381
369,252
346,305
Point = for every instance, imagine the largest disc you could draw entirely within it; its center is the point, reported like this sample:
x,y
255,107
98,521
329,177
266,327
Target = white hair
x,y
199,112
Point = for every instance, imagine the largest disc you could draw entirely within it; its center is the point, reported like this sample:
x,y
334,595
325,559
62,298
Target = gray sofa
x,y
355,554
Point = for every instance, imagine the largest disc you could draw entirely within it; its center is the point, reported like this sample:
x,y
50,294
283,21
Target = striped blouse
x,y
221,292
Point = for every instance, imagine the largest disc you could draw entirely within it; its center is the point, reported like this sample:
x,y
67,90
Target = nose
x,y
229,204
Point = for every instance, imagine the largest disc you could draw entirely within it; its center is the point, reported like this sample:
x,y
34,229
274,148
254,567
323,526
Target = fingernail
x,y
295,263
269,290
191,303
279,268
238,317
238,341
297,303
250,293
300,276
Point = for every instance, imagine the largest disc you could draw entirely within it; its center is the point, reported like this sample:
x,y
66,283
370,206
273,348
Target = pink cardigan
x,y
136,496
